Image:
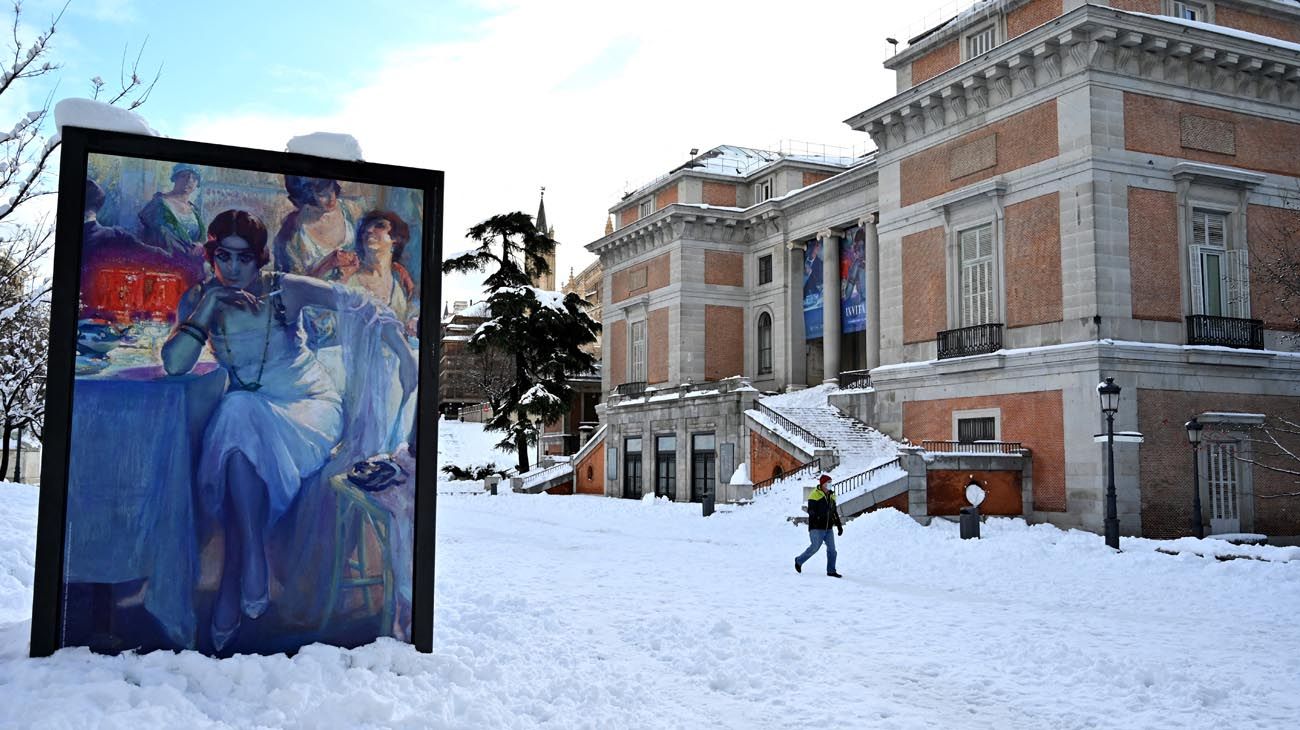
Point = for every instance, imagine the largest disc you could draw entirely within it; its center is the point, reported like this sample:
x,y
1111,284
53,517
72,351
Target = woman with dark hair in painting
x,y
282,416
317,238
381,238
171,224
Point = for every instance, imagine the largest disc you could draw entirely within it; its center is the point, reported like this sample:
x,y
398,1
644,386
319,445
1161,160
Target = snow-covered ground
x,y
572,612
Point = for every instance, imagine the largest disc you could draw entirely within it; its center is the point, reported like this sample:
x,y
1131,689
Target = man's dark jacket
x,y
822,512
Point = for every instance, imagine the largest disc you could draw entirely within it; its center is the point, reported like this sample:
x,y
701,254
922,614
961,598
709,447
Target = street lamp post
x,y
1194,436
1109,394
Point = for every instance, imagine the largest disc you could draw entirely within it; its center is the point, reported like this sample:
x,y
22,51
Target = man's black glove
x,y
839,530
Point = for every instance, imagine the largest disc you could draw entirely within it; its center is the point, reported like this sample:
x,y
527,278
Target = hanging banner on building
x,y
812,289
234,453
853,280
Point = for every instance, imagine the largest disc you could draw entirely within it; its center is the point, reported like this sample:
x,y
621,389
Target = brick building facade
x,y
1061,191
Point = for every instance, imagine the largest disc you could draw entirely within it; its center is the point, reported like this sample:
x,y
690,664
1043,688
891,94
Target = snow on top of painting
x,y
326,144
93,114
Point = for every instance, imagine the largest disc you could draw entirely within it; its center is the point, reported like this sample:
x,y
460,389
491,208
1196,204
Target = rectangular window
x,y
765,269
970,430
646,208
1219,275
762,191
666,467
976,275
979,42
1191,11
638,352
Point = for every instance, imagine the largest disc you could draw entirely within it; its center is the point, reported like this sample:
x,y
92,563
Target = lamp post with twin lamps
x,y
1109,394
1194,436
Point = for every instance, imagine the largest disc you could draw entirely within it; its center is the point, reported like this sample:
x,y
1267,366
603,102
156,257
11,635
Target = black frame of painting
x,y
78,143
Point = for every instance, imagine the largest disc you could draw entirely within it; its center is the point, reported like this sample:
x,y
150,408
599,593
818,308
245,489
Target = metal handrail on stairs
x,y
784,422
845,486
766,484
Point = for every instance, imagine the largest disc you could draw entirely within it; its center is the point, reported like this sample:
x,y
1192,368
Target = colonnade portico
x,y
872,273
830,241
796,360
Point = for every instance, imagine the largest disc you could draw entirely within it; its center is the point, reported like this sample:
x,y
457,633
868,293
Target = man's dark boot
x,y
797,568
834,575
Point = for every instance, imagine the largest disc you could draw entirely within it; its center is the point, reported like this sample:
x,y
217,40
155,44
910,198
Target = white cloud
x,y
525,103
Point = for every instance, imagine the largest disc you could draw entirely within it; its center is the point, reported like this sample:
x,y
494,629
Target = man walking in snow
x,y
822,516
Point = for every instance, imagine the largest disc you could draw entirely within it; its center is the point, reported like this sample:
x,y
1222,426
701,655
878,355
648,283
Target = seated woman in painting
x,y
381,238
282,418
171,225
317,238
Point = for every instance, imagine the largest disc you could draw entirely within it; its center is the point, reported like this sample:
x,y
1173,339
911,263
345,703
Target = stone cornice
x,y
1089,38
994,188
1217,174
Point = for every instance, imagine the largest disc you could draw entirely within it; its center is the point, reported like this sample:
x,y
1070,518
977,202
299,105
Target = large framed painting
x,y
240,438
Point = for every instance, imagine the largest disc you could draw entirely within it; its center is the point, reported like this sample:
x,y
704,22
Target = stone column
x,y
830,305
796,345
872,273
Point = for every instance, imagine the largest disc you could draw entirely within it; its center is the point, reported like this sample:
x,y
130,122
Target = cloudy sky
x,y
589,99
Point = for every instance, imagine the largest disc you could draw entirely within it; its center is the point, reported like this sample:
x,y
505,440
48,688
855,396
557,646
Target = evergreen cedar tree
x,y
544,338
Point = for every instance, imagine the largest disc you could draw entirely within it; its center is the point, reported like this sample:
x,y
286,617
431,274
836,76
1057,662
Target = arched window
x,y
777,472
764,343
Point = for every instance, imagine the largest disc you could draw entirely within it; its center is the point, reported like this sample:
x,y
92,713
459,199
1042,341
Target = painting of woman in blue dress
x,y
237,482
282,415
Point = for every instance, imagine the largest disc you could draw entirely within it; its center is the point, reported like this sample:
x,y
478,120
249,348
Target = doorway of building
x,y
666,467
1224,483
704,465
632,468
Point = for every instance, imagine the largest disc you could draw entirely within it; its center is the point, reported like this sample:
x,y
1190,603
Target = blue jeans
x,y
815,540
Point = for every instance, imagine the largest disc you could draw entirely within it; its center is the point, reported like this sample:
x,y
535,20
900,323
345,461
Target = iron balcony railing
x,y
855,379
855,482
634,389
977,340
1205,329
791,426
798,471
974,447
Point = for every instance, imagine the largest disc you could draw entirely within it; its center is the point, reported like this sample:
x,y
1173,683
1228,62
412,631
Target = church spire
x,y
541,212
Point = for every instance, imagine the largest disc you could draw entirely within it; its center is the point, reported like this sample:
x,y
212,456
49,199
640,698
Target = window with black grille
x,y
970,430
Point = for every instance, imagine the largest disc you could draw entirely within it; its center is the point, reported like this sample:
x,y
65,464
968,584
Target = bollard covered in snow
x,y
970,516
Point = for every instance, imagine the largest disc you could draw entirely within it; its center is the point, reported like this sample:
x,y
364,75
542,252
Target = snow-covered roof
x,y
1224,30
742,162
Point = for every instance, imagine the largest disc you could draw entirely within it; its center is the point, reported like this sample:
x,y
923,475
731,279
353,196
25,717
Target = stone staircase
x,y
844,438
863,460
